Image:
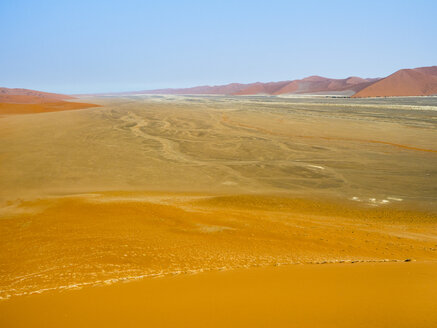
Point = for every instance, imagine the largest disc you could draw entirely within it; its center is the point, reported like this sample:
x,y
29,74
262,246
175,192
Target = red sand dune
x,y
262,88
318,84
206,89
312,84
26,96
13,109
407,82
420,81
24,101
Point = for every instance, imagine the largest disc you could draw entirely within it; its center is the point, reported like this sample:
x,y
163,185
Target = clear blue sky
x,y
97,46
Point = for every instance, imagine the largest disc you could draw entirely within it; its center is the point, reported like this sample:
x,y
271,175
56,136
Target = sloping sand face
x,y
25,101
330,295
165,186
94,239
47,107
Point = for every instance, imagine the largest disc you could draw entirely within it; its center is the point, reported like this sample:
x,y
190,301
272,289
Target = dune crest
x,y
24,96
25,101
312,84
420,81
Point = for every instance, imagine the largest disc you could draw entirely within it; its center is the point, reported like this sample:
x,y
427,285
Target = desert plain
x,y
220,211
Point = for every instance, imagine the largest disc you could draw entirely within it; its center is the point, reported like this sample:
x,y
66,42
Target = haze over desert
x,y
149,179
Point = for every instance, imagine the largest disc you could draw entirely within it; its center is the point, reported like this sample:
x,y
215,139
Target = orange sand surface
x,y
220,212
11,109
331,295
27,96
60,243
27,99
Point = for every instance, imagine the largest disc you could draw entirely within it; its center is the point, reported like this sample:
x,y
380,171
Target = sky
x,y
86,46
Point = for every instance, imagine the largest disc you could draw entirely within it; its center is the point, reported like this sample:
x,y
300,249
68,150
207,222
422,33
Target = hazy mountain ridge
x,y
420,81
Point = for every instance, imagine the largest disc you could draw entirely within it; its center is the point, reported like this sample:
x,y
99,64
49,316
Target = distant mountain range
x,y
420,81
312,84
406,82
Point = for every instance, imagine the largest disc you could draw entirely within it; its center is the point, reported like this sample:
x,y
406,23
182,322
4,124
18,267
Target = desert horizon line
x,y
420,81
142,88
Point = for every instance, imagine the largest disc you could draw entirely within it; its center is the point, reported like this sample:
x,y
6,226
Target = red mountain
x,y
407,82
312,84
206,89
262,88
318,84
24,101
420,81
26,96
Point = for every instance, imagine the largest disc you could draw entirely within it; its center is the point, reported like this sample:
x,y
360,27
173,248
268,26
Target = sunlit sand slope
x,y
59,106
359,295
25,101
93,239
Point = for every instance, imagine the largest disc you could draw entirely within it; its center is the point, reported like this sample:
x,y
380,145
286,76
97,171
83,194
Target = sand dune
x,y
24,96
24,101
312,84
103,238
220,89
14,109
315,84
219,211
196,260
357,295
262,88
406,82
420,81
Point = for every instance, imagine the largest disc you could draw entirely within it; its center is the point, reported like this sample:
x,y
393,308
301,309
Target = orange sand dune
x,y
262,88
25,96
420,81
11,109
315,84
307,85
266,213
206,89
107,237
25,101
400,295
